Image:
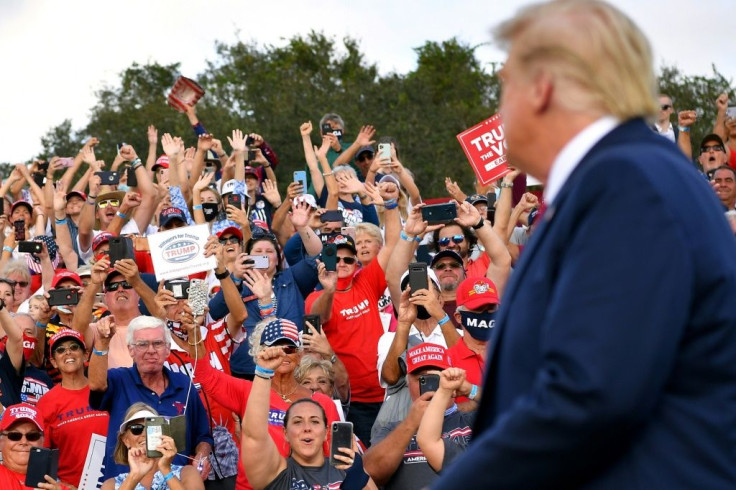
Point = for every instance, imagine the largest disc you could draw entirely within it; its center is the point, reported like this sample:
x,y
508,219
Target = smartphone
x,y
30,247
428,382
20,230
331,215
109,178
300,176
329,256
41,462
491,197
439,213
63,297
132,179
731,112
384,153
44,166
250,156
39,178
234,200
198,296
418,276
341,435
249,140
119,146
156,428
348,230
178,430
65,162
121,247
326,128
179,287
315,320
258,261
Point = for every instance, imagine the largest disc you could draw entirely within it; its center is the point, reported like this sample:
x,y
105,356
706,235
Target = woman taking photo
x,y
148,473
305,430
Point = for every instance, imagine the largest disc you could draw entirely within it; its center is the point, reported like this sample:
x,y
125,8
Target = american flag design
x,y
280,329
34,263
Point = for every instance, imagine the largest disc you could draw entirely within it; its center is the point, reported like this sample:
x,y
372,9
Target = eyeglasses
x,y
114,286
347,260
109,202
665,107
706,149
136,429
446,240
447,265
74,347
230,239
144,345
16,436
365,156
23,284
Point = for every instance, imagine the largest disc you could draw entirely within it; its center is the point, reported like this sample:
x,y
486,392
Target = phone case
x,y
20,230
418,276
121,248
31,247
341,435
198,297
178,287
301,177
329,256
428,382
63,297
384,151
315,320
132,179
439,213
41,462
155,428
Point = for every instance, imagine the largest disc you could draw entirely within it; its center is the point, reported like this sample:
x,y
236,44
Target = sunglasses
x,y
346,260
230,239
16,436
69,348
365,156
665,107
109,202
136,429
446,240
447,265
706,149
114,286
289,349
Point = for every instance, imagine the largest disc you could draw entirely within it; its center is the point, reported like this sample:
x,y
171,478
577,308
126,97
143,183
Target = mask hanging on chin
x,y
29,345
478,325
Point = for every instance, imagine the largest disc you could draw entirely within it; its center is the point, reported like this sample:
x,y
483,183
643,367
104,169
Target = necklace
x,y
286,396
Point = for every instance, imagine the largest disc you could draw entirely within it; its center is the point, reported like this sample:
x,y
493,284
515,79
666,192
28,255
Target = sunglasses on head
x,y
63,349
455,238
230,239
16,436
109,202
114,286
136,429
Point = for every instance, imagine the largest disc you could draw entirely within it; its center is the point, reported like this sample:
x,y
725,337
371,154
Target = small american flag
x,y
280,329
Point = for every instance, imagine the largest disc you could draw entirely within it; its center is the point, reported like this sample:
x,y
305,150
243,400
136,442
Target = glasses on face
x,y
288,348
63,349
16,436
109,202
365,156
136,429
706,149
230,239
23,284
447,265
114,286
144,345
666,107
458,239
346,260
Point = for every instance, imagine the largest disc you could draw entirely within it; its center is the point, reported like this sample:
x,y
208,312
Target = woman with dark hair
x,y
305,429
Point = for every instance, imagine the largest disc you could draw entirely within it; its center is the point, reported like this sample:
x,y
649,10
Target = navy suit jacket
x,y
613,362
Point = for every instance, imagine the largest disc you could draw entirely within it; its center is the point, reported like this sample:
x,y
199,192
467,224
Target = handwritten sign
x,y
180,252
485,146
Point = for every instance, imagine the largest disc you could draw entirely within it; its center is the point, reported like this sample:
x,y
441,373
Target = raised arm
x,y
63,237
719,126
98,362
152,134
387,195
299,217
204,143
504,223
390,369
322,306
87,217
144,213
310,157
233,300
203,182
405,178
685,120
83,315
14,344
364,138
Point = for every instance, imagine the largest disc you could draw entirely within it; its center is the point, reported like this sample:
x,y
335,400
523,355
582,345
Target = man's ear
x,y
542,91
458,318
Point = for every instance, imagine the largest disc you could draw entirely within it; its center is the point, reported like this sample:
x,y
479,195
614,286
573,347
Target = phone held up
x,y
341,435
315,321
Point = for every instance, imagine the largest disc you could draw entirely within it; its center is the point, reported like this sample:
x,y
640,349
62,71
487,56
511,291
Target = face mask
x,y
210,210
478,325
29,345
123,187
177,329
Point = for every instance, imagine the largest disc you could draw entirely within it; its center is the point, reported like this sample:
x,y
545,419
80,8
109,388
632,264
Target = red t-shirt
x,y
70,423
355,328
478,267
10,480
464,358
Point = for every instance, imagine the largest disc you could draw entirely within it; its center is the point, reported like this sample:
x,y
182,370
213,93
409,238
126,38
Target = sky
x,y
56,54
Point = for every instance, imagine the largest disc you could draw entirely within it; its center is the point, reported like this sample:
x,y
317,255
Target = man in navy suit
x,y
613,361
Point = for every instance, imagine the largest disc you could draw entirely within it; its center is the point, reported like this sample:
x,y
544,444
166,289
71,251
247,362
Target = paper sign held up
x,y
485,146
185,93
180,252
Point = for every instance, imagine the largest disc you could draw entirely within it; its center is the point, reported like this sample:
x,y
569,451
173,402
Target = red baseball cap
x,y
21,411
65,334
101,238
232,230
427,355
476,292
62,274
162,161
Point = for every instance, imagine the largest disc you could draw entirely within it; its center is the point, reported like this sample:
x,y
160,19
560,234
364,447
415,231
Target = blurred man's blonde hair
x,y
600,61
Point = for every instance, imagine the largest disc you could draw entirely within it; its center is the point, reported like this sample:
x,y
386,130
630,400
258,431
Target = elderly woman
x,y
17,271
148,473
21,429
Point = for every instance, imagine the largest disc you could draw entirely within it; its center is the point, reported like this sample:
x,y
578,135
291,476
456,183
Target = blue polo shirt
x,y
125,387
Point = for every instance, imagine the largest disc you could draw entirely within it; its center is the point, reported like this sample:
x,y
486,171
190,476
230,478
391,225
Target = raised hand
x,y
454,190
237,215
294,190
300,213
257,139
170,145
139,464
306,128
60,197
271,193
365,136
451,379
528,201
388,190
271,357
686,118
214,248
237,142
258,282
328,279
88,154
316,342
152,135
131,200
217,146
204,142
467,214
349,183
203,182
722,102
168,449
415,224
374,193
128,153
128,268
99,270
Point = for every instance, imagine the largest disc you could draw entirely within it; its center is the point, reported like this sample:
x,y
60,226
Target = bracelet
x,y
61,221
479,224
504,185
91,200
266,306
120,215
196,343
222,275
406,237
99,352
196,207
327,174
684,129
169,477
41,325
443,320
473,392
389,207
7,249
137,160
264,373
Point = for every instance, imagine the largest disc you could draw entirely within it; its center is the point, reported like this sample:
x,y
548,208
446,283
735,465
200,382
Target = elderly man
x,y
609,367
146,381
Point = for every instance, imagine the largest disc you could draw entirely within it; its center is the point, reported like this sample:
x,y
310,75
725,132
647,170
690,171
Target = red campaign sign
x,y
485,146
185,93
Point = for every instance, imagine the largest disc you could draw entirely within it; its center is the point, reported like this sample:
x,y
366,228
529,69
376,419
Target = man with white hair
x,y
613,359
147,381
